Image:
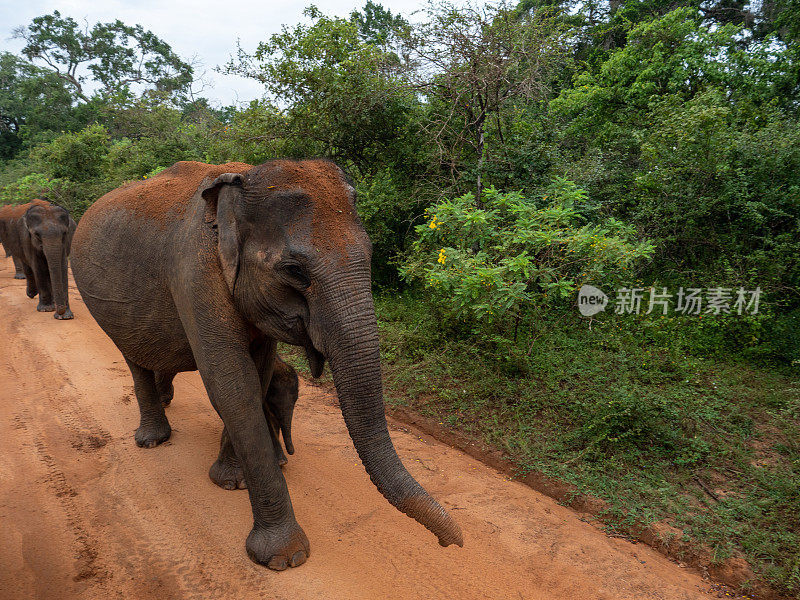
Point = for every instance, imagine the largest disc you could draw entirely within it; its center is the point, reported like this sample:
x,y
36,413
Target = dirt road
x,y
84,513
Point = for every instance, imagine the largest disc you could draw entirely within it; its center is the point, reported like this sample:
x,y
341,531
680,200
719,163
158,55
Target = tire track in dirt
x,y
32,432
79,497
84,433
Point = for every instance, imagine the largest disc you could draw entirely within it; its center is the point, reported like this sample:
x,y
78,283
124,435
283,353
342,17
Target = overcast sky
x,y
201,29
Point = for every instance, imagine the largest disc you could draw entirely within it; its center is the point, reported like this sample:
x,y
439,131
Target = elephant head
x,y
296,260
51,228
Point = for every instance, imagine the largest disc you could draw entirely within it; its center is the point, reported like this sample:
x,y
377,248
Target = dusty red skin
x,y
333,209
166,196
15,212
168,193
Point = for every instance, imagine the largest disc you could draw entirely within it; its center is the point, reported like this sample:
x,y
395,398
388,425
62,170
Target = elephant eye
x,y
297,274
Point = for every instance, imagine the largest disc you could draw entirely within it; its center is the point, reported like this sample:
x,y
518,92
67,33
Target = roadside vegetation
x,y
504,156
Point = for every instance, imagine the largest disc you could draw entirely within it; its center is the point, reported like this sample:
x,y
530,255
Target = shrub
x,y
498,264
78,156
387,210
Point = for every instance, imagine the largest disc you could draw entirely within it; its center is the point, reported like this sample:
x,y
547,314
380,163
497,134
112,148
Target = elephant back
x,y
163,198
9,212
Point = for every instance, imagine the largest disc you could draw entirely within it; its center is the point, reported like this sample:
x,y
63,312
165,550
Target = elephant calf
x,y
278,409
6,213
38,236
206,268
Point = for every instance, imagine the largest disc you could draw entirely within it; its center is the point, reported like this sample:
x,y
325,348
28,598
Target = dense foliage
x,y
504,155
507,262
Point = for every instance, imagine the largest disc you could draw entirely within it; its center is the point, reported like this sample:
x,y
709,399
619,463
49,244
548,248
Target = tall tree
x,y
32,99
342,91
377,25
475,63
112,56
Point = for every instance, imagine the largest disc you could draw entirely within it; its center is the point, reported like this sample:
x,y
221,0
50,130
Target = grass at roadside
x,y
710,444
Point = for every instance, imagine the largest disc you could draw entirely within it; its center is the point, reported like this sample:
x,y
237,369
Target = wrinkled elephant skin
x,y
206,268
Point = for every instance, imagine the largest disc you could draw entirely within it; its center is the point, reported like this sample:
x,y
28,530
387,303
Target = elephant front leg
x,y
276,539
166,391
264,354
227,471
275,434
42,274
153,425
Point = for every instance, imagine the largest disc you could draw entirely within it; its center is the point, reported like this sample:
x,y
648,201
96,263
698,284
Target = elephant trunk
x,y
285,423
351,344
57,265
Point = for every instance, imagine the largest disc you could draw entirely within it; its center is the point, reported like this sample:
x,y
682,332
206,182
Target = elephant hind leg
x,y
19,272
166,391
227,471
153,426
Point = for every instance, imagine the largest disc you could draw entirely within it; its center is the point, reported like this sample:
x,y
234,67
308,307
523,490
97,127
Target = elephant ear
x,y
31,218
70,233
220,197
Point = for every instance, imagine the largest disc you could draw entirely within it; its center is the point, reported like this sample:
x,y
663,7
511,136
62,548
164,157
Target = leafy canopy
x,y
115,56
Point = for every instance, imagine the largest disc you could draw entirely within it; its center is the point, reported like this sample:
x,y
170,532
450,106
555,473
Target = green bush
x,y
387,211
26,189
784,336
77,156
498,264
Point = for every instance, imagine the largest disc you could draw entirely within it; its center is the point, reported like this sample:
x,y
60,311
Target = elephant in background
x,y
45,233
38,236
7,214
282,394
206,268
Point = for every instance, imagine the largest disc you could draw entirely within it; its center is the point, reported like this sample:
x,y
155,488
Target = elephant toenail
x,y
298,558
277,563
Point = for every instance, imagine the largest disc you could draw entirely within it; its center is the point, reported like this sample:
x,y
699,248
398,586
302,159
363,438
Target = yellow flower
x,y
442,256
433,224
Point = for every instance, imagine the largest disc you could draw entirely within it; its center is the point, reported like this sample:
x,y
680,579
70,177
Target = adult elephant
x,y
6,213
205,268
44,232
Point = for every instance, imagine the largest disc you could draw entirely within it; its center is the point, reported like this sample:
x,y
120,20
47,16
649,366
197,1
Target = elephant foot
x,y
65,316
228,474
278,547
151,435
282,460
42,307
19,275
